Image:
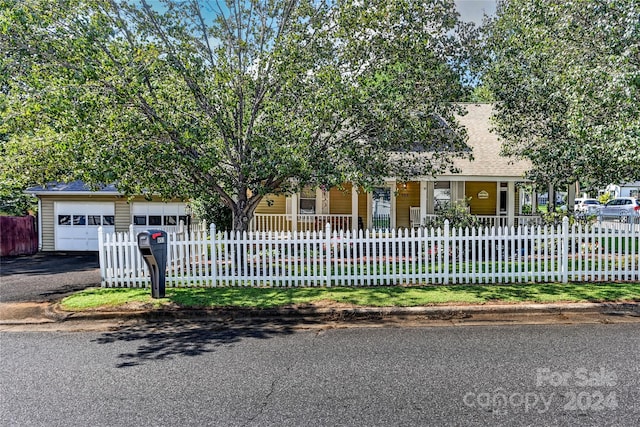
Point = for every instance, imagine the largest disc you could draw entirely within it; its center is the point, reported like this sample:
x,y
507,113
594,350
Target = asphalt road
x,y
47,276
195,374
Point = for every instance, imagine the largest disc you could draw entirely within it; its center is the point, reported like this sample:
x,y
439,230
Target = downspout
x,y
39,224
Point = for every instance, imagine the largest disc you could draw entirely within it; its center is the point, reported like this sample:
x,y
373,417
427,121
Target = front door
x,y
381,208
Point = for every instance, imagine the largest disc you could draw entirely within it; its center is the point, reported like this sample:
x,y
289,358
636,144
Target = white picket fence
x,y
386,257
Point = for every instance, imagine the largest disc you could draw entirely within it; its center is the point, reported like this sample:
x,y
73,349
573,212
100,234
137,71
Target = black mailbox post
x,y
153,247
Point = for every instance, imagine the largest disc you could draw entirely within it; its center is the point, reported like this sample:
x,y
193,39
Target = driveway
x,y
47,276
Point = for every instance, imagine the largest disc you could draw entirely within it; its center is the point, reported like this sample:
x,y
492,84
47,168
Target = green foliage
x,y
604,198
13,201
565,76
240,99
481,94
211,209
556,218
457,213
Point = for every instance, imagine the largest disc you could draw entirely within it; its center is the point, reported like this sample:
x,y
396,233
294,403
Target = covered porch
x,y
393,205
491,185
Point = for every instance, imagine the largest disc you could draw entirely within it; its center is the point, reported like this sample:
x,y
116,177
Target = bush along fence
x,y
445,255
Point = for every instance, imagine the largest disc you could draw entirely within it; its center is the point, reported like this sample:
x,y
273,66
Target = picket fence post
x,y
214,257
565,249
447,249
327,253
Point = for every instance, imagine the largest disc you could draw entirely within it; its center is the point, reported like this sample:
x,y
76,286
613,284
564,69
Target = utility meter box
x,y
153,247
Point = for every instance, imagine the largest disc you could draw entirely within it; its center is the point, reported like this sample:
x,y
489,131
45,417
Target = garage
x,y
166,216
77,223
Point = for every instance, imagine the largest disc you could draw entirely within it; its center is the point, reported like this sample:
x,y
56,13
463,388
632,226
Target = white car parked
x,y
587,206
623,208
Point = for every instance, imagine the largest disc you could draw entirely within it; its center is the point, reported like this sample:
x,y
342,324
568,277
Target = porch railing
x,y
284,222
500,221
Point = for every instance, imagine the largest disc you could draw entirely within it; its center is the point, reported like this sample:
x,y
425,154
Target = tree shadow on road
x,y
166,340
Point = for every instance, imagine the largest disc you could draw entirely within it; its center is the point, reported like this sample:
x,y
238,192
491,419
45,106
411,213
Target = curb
x,y
55,313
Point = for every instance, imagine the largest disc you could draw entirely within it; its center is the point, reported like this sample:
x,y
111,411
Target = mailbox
x,y
153,247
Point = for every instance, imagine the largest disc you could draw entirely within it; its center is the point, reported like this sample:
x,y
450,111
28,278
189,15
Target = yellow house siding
x,y
407,197
481,206
362,207
340,200
278,205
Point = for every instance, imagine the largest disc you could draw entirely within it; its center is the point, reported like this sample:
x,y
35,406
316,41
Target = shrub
x,y
458,215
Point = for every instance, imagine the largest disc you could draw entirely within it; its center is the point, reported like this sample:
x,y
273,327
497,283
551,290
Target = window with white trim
x,y
307,201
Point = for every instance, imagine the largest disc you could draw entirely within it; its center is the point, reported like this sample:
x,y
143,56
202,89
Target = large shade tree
x,y
235,100
566,77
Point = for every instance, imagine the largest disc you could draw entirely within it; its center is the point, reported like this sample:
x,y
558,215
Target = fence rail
x,y
385,257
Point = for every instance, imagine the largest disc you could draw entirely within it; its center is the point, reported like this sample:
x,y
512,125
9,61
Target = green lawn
x,y
391,296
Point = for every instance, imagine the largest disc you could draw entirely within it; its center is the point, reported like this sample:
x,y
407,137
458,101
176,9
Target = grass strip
x,y
391,296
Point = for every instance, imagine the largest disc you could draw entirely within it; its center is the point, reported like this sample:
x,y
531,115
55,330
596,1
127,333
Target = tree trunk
x,y
242,215
241,220
571,197
551,203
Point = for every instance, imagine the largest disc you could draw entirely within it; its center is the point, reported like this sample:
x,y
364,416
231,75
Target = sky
x,y
472,10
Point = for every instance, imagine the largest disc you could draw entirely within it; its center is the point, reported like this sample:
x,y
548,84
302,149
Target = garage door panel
x,y
77,223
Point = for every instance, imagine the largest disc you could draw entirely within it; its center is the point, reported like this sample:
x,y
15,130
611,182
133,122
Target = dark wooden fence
x,y
18,235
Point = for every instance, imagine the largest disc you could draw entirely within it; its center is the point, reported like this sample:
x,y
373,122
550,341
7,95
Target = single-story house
x,y
490,184
628,189
70,214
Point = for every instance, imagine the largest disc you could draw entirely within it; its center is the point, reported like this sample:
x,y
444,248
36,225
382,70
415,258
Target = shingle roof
x,y
75,187
486,147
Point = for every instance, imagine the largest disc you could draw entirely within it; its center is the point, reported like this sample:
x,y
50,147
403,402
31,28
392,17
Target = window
x,y
155,220
95,220
170,220
79,220
504,188
108,220
441,195
308,201
139,220
64,219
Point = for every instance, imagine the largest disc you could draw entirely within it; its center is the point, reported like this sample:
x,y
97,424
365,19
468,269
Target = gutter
x,y
39,224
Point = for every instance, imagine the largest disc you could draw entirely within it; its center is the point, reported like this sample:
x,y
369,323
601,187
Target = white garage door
x,y
77,224
165,216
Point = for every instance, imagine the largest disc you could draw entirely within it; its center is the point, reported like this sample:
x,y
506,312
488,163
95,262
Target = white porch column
x,y
354,207
423,201
511,203
394,190
429,201
369,210
498,198
295,206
